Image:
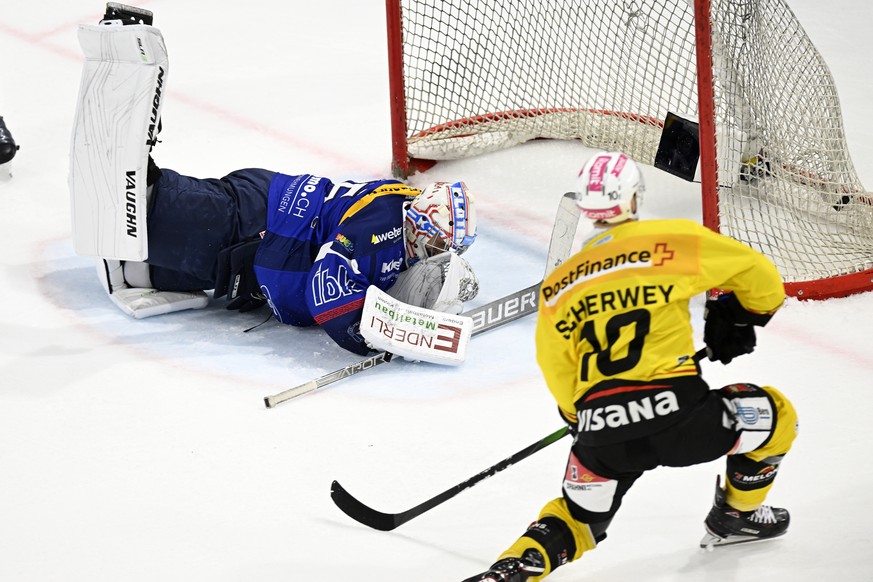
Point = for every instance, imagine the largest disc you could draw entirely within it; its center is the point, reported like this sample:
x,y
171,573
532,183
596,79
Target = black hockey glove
x,y
729,330
572,424
236,277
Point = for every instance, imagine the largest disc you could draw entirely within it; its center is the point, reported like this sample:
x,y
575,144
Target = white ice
x,y
142,451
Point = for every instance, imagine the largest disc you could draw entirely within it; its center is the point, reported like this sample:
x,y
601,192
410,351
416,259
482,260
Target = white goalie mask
x,y
610,188
441,218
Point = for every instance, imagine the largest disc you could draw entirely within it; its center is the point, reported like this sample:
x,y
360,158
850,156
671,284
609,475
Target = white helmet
x,y
610,188
441,218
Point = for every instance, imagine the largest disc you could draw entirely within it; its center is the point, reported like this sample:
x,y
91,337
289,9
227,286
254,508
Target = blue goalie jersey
x,y
325,243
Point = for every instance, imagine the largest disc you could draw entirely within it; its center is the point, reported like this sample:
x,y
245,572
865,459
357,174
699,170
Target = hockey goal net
x,y
737,82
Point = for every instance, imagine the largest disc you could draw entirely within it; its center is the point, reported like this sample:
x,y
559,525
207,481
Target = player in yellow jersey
x,y
614,342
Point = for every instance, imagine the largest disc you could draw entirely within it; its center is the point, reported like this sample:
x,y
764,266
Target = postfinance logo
x,y
661,254
657,254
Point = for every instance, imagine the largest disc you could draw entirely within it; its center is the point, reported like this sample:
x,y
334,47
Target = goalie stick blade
x,y
360,512
563,232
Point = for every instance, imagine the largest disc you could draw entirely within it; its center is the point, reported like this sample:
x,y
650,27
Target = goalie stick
x,y
388,521
489,316
485,317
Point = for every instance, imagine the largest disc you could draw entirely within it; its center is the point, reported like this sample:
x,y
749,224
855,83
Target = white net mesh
x,y
482,75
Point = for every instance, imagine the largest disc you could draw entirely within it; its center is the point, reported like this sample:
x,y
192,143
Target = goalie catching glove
x,y
443,283
729,331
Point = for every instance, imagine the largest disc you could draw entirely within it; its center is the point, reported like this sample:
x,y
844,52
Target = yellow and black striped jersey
x,y
619,307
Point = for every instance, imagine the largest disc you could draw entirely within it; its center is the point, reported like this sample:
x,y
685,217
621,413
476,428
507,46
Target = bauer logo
x,y
509,309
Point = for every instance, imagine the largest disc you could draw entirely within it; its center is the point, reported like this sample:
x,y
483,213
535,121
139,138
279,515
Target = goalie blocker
x,y
416,333
417,317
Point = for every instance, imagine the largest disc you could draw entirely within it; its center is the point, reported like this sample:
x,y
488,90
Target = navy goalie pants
x,y
190,220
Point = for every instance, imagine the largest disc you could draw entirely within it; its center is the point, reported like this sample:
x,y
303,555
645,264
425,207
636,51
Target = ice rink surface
x,y
141,450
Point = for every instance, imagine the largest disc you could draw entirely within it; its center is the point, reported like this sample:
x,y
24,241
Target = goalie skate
x,y
122,14
727,526
8,147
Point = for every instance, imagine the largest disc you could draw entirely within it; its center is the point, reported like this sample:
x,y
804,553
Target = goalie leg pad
x,y
116,124
142,301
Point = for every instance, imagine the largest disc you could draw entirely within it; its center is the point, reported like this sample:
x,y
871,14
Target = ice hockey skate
x,y
8,148
727,526
122,14
531,564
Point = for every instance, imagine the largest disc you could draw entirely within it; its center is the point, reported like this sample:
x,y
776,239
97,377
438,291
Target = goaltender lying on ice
x,y
308,247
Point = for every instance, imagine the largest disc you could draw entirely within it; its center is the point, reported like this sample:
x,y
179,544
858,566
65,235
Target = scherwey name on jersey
x,y
605,301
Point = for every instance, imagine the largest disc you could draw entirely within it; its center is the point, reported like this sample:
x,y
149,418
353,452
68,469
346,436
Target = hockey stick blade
x,y
389,521
494,314
381,521
361,513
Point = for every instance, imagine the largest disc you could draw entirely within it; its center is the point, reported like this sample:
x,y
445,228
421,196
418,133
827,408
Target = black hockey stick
x,y
486,317
388,521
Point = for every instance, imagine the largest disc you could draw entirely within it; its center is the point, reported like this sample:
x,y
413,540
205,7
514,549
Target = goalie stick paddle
x,y
388,521
494,314
489,316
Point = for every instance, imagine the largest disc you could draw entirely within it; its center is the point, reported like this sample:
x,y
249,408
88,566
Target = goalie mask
x,y
610,188
441,218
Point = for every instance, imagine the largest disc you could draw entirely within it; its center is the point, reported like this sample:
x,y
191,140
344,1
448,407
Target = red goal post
x,y
731,94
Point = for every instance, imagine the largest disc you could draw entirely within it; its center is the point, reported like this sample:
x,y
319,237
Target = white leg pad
x,y
142,302
120,100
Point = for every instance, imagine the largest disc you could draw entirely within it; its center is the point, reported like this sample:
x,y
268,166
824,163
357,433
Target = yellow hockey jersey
x,y
619,307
